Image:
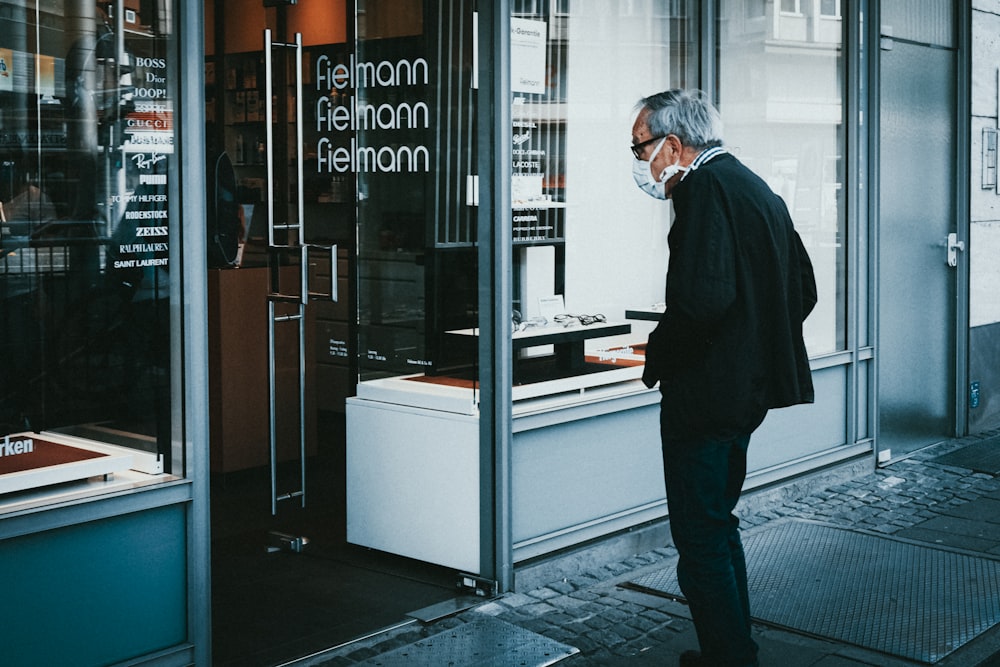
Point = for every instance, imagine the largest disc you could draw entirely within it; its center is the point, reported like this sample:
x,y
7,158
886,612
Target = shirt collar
x,y
706,155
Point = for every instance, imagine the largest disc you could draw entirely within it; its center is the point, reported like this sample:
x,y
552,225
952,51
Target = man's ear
x,y
674,142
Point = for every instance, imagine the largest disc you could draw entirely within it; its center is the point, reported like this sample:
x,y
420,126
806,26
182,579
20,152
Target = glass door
x,y
286,581
413,485
409,94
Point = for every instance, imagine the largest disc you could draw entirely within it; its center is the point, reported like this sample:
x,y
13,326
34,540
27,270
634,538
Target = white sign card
x,y
527,55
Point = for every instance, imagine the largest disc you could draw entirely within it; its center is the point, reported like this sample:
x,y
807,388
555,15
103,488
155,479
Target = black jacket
x,y
739,285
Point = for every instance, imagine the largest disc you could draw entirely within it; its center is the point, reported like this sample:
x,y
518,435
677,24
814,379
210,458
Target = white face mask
x,y
643,175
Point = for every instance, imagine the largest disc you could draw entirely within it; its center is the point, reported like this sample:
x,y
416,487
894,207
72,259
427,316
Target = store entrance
x,y
918,229
285,581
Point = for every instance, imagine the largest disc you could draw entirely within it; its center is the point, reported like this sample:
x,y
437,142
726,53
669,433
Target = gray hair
x,y
688,114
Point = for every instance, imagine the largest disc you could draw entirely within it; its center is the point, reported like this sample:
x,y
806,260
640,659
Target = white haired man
x,y
727,349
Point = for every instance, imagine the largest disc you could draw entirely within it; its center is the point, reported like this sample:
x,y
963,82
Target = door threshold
x,y
369,639
436,612
426,615
889,459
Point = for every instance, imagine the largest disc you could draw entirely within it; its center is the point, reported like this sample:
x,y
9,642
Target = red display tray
x,y
28,461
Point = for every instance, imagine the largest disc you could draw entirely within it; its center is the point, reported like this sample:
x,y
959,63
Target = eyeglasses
x,y
567,320
638,148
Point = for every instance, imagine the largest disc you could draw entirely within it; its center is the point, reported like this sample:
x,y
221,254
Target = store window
x,y
87,242
415,153
589,248
781,85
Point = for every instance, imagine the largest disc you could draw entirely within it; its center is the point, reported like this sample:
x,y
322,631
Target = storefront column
x,y
191,328
495,267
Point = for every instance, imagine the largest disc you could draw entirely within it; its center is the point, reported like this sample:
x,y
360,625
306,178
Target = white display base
x,y
113,460
465,401
404,391
413,483
585,464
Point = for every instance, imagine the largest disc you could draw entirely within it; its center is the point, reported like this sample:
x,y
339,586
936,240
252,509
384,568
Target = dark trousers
x,y
704,478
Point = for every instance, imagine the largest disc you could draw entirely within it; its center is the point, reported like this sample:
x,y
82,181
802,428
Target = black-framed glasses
x,y
637,148
566,319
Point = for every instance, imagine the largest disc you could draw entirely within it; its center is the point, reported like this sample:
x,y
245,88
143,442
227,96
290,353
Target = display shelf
x,y
568,341
607,373
649,313
33,460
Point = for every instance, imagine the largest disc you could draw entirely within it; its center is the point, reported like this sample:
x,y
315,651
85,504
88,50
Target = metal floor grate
x,y
983,456
485,642
873,591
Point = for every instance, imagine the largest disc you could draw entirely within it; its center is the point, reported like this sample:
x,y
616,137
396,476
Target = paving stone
x,y
536,625
585,595
567,603
606,637
642,623
543,593
617,568
597,622
585,643
656,616
666,632
560,635
490,609
563,587
515,600
616,615
631,609
537,609
886,528
631,563
610,601
593,608
628,632
559,618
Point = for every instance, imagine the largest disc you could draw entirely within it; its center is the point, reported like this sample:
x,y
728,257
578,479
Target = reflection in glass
x,y
86,148
413,94
586,241
781,82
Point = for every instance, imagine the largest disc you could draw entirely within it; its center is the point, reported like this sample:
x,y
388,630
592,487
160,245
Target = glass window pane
x,y
86,154
784,118
927,21
413,100
588,247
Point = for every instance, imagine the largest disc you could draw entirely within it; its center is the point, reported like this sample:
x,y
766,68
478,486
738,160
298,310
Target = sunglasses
x,y
639,147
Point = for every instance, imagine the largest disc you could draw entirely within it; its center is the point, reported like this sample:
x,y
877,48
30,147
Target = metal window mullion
x,y
269,135
299,143
495,290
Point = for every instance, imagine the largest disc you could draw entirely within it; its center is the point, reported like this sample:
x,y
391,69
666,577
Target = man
x,y
728,348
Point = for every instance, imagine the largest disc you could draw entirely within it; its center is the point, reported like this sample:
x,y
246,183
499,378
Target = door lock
x,y
954,245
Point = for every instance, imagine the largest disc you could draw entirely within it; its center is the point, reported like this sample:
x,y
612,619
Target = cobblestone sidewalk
x,y
613,625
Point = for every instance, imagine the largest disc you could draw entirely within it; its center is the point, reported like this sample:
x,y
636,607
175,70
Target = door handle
x,y
954,245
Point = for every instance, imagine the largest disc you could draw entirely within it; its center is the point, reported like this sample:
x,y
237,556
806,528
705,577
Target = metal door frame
x,y
960,209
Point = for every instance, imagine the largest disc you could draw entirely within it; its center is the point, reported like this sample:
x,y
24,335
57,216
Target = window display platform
x,y
41,467
567,341
29,461
649,313
601,372
413,460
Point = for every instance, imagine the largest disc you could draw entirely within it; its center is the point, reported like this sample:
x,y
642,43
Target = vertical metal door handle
x,y
954,246
334,274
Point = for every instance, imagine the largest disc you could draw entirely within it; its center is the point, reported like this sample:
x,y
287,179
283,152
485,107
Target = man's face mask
x,y
643,175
